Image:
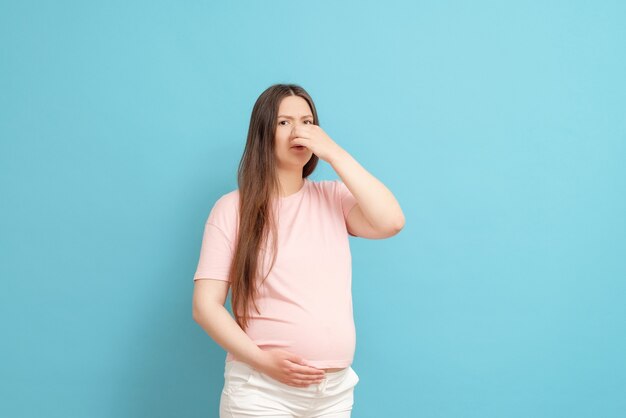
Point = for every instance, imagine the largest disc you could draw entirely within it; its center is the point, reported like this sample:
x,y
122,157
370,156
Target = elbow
x,y
196,314
398,224
201,311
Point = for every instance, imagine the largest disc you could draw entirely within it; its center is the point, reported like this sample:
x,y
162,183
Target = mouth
x,y
298,147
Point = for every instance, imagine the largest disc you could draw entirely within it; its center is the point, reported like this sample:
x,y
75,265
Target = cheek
x,y
282,138
279,144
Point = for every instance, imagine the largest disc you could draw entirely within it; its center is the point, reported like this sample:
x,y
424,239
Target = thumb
x,y
297,359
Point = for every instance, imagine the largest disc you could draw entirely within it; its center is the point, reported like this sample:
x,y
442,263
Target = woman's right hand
x,y
289,368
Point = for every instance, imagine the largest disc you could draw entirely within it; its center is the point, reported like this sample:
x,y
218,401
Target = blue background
x,y
499,126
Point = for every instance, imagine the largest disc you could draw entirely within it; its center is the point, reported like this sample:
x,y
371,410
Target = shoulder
x,y
225,210
229,199
325,188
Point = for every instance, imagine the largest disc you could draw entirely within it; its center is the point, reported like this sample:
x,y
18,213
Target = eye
x,y
281,122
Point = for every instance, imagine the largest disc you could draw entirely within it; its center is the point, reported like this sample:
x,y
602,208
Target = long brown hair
x,y
258,186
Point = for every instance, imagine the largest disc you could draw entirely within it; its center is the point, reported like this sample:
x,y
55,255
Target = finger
x,y
308,371
300,365
294,358
303,383
307,377
297,385
304,367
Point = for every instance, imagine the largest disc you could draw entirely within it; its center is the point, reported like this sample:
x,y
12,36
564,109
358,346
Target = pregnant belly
x,y
324,344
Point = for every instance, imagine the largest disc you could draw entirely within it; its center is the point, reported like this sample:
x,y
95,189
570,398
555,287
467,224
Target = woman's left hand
x,y
314,138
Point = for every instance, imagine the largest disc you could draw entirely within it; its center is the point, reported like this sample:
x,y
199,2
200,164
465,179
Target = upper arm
x,y
359,226
356,222
211,279
209,291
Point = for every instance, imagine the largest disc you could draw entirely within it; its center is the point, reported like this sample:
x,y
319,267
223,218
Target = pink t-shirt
x,y
306,301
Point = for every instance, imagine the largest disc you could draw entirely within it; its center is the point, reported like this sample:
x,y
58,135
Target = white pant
x,y
250,393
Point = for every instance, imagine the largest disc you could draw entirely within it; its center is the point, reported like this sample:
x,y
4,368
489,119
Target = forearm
x,y
376,201
224,330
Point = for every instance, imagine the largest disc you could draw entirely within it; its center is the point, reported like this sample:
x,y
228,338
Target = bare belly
x,y
334,369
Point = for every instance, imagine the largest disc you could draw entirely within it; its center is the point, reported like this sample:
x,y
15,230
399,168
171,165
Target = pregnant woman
x,y
280,244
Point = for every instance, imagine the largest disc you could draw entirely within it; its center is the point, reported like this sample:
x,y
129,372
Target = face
x,y
293,111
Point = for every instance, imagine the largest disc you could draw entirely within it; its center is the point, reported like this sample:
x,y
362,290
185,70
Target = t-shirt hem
x,y
320,364
210,277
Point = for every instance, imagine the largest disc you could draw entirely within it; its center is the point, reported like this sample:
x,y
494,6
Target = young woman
x,y
280,243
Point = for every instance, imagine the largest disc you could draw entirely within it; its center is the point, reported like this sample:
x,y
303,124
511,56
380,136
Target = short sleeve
x,y
346,198
216,251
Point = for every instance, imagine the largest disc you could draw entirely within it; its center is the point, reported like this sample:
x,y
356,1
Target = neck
x,y
290,182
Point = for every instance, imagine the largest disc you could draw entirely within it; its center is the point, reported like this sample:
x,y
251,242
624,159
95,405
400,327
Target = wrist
x,y
338,156
257,361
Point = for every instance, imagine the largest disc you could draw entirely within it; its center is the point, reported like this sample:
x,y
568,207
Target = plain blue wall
x,y
499,126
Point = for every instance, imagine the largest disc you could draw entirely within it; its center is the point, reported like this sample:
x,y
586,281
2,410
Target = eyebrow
x,y
289,117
